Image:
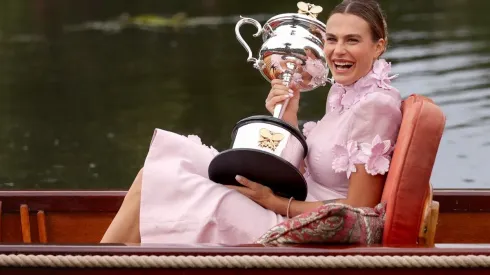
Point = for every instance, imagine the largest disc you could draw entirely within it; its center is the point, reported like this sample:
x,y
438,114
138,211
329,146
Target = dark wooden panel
x,y
110,201
61,228
83,216
78,227
463,200
88,227
67,201
463,228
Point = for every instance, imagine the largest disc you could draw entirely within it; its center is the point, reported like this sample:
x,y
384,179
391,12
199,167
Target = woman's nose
x,y
339,49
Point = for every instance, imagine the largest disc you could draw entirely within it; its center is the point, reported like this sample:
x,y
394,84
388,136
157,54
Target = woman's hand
x,y
264,196
364,191
278,94
257,192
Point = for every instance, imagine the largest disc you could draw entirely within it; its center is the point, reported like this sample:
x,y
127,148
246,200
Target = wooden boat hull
x,y
83,216
63,223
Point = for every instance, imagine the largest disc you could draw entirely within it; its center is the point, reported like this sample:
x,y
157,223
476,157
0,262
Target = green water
x,y
81,88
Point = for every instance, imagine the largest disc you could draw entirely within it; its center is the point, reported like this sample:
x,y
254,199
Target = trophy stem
x,y
286,78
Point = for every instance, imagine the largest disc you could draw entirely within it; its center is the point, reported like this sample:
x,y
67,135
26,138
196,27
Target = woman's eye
x,y
331,39
352,40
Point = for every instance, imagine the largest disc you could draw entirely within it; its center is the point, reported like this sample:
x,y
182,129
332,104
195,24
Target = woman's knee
x,y
135,189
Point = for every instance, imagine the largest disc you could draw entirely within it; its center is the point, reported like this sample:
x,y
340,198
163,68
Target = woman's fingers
x,y
275,100
281,91
278,94
246,182
277,81
244,190
277,91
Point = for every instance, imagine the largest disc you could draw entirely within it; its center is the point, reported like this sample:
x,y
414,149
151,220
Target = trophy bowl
x,y
266,149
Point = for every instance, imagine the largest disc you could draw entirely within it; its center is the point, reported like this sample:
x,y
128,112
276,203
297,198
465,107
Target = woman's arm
x,y
364,191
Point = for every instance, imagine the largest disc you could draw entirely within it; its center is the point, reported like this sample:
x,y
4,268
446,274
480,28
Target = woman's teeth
x,y
343,66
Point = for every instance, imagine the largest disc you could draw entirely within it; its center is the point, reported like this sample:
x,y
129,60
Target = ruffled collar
x,y
343,97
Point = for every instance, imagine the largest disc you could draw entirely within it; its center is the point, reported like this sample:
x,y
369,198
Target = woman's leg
x,y
125,225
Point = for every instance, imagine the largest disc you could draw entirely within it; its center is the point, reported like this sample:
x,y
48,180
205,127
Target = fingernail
x,y
291,94
238,178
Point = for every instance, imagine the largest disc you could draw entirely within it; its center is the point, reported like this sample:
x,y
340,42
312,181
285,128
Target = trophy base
x,y
282,177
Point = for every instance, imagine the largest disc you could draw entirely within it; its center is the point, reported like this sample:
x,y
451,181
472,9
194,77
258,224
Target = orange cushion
x,y
407,184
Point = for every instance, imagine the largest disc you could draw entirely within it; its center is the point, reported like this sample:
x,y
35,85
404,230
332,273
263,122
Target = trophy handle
x,y
245,20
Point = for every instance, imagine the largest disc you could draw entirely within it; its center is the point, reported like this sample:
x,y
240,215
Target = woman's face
x,y
349,47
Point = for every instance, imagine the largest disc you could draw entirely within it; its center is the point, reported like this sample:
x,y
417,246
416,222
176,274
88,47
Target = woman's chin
x,y
343,80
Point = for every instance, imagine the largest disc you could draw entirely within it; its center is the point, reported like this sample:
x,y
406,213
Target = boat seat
x,y
411,214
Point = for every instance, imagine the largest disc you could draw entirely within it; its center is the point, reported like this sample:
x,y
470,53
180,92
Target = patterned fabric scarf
x,y
333,223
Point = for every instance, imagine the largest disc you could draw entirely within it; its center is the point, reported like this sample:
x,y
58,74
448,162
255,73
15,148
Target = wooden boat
x,y
442,232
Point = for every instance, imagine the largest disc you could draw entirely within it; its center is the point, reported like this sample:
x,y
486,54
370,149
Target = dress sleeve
x,y
373,132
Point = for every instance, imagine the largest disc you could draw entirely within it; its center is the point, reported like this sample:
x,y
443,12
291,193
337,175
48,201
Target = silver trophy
x,y
266,149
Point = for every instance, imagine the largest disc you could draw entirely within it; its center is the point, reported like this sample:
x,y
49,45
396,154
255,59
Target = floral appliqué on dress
x,y
343,97
374,156
308,127
345,157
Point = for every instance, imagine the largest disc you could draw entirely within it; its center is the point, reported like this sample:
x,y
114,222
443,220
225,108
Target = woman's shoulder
x,y
376,117
379,101
379,93
369,92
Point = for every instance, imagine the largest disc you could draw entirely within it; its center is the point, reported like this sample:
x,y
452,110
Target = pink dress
x,y
179,204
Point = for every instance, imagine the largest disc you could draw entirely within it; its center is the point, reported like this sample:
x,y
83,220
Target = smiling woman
x,y
356,35
173,200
